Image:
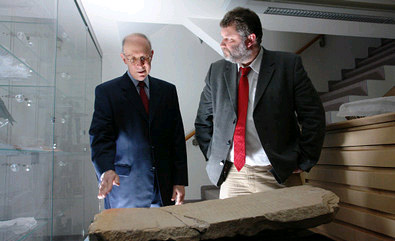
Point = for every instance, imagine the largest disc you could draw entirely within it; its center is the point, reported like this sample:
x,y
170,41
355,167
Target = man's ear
x,y
123,58
251,40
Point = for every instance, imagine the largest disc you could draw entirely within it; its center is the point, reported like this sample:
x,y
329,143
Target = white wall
x,y
181,59
112,66
285,41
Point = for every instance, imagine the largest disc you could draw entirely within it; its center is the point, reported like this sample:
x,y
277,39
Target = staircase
x,y
372,77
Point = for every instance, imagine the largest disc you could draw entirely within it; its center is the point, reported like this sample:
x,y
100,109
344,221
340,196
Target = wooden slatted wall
x,y
358,164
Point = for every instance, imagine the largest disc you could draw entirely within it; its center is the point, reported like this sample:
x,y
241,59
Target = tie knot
x,y
245,71
141,84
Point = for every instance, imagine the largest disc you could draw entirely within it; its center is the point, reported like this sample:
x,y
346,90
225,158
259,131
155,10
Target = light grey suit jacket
x,y
285,98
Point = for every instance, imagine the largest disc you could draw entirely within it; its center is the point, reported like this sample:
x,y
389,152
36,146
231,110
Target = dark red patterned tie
x,y
143,95
240,131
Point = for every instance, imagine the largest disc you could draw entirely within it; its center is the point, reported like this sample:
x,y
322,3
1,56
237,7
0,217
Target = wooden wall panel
x,y
381,134
363,197
373,178
346,232
358,164
367,219
377,156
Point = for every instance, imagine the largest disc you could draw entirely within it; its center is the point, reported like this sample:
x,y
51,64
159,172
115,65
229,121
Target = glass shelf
x,y
24,20
14,71
28,37
16,151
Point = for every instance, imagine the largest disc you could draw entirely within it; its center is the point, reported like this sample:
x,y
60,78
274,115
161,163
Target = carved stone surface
x,y
294,207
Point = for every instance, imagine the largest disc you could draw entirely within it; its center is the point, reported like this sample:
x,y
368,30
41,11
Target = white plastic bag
x,y
368,107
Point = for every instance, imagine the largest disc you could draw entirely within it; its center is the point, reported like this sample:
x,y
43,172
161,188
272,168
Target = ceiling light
x,y
329,15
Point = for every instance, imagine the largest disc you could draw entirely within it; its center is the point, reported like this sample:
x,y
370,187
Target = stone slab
x,y
294,207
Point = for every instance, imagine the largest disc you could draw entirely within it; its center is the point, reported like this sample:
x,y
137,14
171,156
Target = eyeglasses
x,y
140,60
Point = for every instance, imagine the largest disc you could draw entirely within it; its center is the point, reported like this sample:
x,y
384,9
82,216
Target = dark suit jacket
x,y
285,98
136,145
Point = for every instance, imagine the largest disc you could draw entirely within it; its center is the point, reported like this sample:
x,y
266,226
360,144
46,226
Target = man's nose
x,y
140,62
222,44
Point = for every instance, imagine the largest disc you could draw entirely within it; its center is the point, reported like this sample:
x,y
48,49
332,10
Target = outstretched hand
x,y
108,179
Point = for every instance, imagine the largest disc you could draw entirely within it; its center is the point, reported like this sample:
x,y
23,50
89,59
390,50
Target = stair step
x,y
345,71
376,74
375,50
331,83
374,89
365,61
386,40
333,105
388,59
366,87
331,117
359,88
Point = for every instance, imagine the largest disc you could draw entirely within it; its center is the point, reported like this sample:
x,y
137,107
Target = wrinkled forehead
x,y
136,45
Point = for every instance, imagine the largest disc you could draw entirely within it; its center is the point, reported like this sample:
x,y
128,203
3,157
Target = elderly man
x,y
250,111
137,135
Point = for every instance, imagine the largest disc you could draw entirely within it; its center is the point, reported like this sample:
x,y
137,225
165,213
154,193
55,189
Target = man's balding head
x,y
137,39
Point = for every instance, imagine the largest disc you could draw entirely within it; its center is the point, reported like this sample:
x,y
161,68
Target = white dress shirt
x,y
255,154
136,84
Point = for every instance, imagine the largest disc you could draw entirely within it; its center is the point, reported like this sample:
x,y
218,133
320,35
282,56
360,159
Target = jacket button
x,y
222,163
153,169
228,142
234,121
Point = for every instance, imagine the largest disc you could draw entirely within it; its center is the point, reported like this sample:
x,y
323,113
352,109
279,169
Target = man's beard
x,y
238,55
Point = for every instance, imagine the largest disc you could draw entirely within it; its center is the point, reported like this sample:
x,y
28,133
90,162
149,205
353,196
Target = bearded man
x,y
260,122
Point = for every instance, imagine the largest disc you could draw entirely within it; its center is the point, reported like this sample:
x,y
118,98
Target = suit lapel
x,y
230,76
265,75
155,97
130,93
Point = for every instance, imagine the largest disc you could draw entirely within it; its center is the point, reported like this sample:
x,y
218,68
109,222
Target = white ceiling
x,y
112,20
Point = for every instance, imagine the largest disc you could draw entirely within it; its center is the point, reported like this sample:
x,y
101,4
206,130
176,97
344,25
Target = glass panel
x,y
28,113
27,70
27,177
46,176
93,78
70,133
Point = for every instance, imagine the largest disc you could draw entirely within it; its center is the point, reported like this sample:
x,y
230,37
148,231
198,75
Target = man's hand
x,y
178,194
108,179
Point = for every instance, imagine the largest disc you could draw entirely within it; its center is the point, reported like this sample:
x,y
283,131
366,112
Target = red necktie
x,y
240,131
143,95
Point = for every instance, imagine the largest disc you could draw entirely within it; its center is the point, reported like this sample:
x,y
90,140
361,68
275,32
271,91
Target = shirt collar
x,y
136,82
256,64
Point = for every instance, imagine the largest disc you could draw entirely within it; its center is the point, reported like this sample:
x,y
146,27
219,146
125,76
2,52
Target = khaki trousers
x,y
252,179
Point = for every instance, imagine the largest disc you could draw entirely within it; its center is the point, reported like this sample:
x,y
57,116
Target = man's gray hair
x,y
246,22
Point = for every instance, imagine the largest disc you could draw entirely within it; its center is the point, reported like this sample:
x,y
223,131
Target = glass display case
x,y
49,67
